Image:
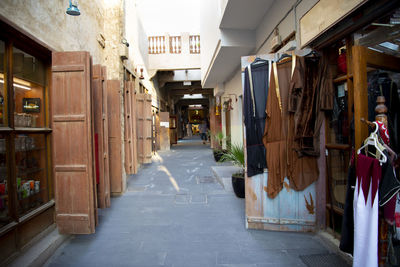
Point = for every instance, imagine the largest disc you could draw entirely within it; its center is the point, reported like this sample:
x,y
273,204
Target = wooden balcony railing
x,y
156,44
194,44
175,44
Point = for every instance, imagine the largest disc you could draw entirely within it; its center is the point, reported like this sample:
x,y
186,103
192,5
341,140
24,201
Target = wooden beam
x,y
380,35
360,93
194,91
382,61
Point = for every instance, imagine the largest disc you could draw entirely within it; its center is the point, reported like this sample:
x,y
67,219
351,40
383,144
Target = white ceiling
x,y
244,14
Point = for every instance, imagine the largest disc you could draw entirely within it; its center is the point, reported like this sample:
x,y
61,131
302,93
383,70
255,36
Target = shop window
x,y
31,176
4,201
25,183
2,53
29,75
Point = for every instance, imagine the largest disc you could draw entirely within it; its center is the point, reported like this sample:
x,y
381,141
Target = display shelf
x,y
342,78
32,130
29,171
29,150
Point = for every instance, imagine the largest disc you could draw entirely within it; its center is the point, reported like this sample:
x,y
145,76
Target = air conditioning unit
x,y
123,51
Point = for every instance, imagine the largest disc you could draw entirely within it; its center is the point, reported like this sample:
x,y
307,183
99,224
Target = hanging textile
x,y
279,139
255,95
368,174
311,93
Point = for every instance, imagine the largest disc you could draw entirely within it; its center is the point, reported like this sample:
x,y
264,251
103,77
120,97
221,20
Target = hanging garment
x,y
302,169
347,235
255,97
365,204
282,158
311,94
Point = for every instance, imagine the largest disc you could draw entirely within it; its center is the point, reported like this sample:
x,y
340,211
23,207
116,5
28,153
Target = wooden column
x,y
360,93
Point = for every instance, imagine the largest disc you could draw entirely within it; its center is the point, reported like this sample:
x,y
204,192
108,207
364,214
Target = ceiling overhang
x,y
226,60
244,15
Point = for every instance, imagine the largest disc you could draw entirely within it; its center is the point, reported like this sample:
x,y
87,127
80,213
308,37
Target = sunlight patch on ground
x,y
171,178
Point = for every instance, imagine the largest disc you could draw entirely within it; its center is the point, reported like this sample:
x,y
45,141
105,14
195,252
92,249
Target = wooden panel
x,y
114,136
128,130
101,136
147,129
72,141
164,131
144,121
323,16
134,128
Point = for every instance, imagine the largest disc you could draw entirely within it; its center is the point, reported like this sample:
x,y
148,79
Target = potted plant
x,y
235,154
218,151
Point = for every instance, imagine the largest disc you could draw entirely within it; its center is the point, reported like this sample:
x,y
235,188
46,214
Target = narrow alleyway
x,y
175,213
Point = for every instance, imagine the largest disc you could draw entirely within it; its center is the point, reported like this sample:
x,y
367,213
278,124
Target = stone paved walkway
x,y
174,213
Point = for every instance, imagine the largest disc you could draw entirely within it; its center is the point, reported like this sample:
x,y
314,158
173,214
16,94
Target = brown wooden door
x,y
128,130
72,145
173,131
143,104
114,136
134,127
101,136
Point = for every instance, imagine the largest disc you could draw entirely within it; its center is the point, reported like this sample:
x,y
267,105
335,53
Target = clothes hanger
x,y
372,140
258,60
284,56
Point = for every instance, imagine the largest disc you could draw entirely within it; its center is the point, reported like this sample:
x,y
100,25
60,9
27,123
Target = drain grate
x,y
326,260
206,180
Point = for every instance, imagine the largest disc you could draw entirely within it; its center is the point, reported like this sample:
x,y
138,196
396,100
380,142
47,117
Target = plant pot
x,y
218,154
238,185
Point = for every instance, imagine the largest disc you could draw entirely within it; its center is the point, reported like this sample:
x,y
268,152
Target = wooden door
x,y
101,136
128,130
114,136
134,127
164,131
72,142
173,131
143,104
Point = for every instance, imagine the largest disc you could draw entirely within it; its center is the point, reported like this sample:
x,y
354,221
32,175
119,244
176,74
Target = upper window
x,y
29,82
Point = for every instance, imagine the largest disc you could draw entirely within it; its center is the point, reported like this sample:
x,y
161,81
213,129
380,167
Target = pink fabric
x,y
368,168
383,132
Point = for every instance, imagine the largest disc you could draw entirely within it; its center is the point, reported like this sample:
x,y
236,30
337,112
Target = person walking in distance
x,y
203,131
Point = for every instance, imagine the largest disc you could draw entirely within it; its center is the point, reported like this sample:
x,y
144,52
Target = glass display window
x,y
4,201
2,92
28,86
31,178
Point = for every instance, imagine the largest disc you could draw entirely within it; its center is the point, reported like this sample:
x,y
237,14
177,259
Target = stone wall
x,y
48,22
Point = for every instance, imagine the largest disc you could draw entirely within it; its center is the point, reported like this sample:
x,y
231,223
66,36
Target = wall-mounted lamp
x,y
73,9
125,42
